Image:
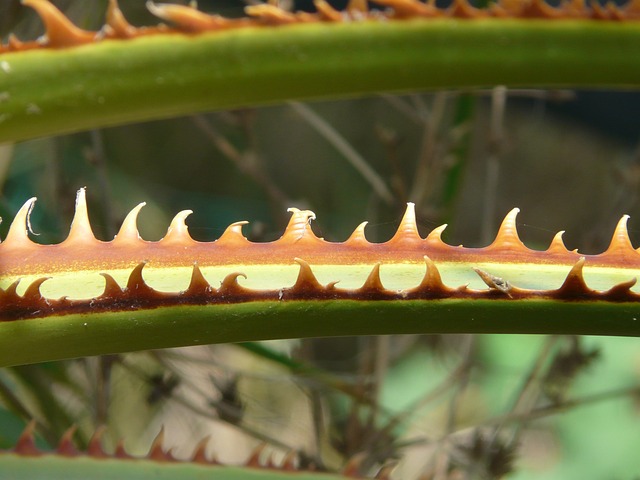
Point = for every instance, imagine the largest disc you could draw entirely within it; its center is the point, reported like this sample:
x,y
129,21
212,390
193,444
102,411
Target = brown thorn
x,y
156,451
557,245
232,236
80,231
120,451
621,291
507,237
94,449
410,8
493,282
358,236
18,235
602,12
574,285
187,18
464,9
254,458
136,284
432,281
178,231
200,451
620,242
12,290
435,236
229,287
407,230
33,290
26,445
631,11
128,232
289,462
117,25
198,284
373,284
306,281
299,226
327,12
270,14
60,31
111,287
66,448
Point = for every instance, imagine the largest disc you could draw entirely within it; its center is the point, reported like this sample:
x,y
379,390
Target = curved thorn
x,y
33,290
254,458
66,448
230,286
432,281
128,232
411,9
557,245
622,291
12,290
120,451
137,286
289,462
156,451
26,445
18,235
385,472
117,24
464,9
200,452
299,226
574,284
60,31
306,281
507,237
620,243
111,287
94,449
232,236
178,231
358,236
435,236
326,11
187,18
270,14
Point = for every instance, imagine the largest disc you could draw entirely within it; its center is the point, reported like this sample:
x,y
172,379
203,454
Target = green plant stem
x,y
75,335
50,467
47,92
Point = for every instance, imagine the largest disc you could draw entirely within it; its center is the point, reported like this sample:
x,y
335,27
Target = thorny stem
x,y
161,76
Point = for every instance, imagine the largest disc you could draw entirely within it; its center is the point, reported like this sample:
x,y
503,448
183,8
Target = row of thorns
x,y
62,33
